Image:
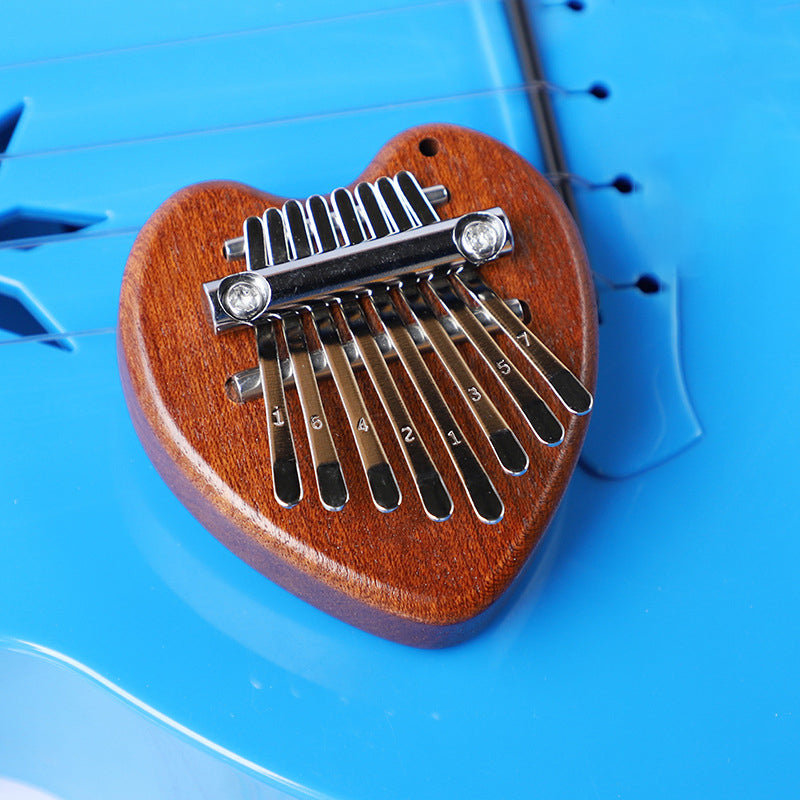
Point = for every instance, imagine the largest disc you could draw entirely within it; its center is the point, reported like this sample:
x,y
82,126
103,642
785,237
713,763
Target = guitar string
x,y
514,89
55,238
528,87
58,336
258,31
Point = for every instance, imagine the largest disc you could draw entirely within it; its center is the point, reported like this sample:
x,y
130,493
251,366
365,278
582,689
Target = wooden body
x,y
398,575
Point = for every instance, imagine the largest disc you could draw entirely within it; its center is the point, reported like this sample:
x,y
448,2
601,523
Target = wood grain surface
x,y
398,575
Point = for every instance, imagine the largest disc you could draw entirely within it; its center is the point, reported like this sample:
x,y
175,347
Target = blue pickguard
x,y
652,652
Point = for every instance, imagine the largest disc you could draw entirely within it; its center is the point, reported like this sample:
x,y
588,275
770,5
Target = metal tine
x,y
398,337
277,249
482,494
298,235
327,469
241,387
544,423
286,482
321,224
514,459
356,223
330,479
505,444
480,490
396,209
415,197
444,302
410,190
566,386
347,217
374,212
380,476
432,492
234,248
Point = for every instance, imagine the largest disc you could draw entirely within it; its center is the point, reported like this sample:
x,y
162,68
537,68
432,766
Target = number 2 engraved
x,y
408,433
316,422
277,417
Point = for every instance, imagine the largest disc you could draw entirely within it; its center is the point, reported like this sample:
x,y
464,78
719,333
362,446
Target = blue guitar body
x,y
652,649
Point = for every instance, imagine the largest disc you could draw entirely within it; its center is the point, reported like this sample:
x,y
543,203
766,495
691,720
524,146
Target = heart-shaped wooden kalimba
x,y
374,428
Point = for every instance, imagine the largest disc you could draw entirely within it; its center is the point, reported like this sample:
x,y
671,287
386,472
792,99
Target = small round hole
x,y
623,184
599,90
575,5
648,284
429,147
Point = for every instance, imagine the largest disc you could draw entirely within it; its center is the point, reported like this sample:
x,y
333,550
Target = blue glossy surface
x,y
653,648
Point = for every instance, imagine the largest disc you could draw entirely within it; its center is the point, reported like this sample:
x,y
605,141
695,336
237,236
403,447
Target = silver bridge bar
x,y
244,386
424,250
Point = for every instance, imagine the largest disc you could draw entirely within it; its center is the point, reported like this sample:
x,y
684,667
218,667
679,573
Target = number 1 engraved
x,y
453,437
277,417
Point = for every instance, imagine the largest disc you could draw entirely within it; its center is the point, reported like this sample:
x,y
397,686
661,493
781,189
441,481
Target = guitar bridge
x,y
355,281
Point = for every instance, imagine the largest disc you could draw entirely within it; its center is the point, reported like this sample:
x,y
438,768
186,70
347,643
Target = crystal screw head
x,y
245,296
481,238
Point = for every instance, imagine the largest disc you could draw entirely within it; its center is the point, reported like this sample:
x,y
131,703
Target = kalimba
x,y
441,421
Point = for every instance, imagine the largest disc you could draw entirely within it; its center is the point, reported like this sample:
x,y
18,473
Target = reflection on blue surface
x,y
642,414
652,649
